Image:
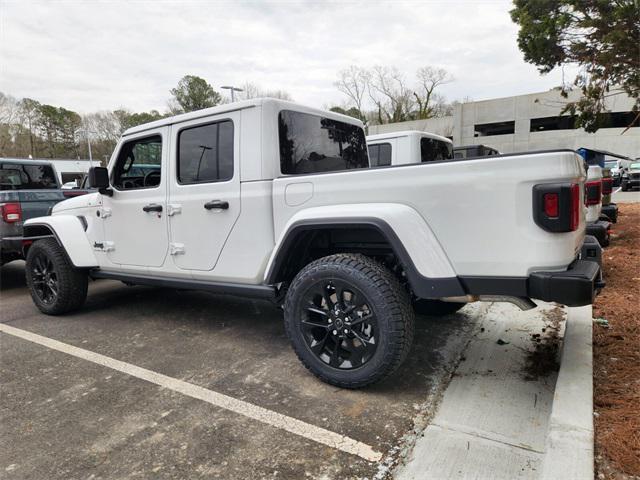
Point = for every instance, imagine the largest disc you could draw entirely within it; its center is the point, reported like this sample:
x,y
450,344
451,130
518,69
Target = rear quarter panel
x,y
480,211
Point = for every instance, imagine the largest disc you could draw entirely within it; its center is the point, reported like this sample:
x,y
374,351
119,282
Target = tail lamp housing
x,y
592,193
557,206
11,212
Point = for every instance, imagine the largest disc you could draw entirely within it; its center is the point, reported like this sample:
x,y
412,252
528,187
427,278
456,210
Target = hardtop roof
x,y
406,133
232,107
26,161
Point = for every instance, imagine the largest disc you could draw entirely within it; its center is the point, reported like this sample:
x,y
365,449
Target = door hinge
x,y
104,212
176,248
104,246
173,208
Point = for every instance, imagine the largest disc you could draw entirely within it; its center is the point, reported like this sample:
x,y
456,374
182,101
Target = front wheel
x,y
56,286
624,187
349,320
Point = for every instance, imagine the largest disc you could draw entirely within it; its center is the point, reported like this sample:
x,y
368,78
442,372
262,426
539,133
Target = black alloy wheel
x,y
338,324
56,286
44,278
349,320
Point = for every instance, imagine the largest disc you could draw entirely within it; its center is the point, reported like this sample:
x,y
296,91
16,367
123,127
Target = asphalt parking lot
x,y
62,416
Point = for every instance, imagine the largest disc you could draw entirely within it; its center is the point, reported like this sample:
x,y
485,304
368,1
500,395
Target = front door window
x,y
139,164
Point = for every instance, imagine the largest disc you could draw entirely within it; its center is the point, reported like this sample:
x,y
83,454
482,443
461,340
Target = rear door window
x,y
27,177
205,153
314,144
432,150
380,154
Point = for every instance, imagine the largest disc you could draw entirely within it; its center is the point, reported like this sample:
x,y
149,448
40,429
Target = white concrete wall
x,y
521,109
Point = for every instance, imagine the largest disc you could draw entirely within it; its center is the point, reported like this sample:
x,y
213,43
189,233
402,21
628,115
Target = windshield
x,y
27,177
611,164
634,166
433,150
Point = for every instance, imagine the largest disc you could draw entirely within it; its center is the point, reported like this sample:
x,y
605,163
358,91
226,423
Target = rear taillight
x,y
607,186
592,192
551,205
557,206
576,206
11,212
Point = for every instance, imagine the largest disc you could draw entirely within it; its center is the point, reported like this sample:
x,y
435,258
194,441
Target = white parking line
x,y
292,425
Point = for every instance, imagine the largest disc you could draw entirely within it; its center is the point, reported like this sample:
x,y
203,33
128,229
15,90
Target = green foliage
x,y
600,36
128,119
58,126
195,93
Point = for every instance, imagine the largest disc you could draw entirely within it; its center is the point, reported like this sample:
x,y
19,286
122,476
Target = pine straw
x,y
616,350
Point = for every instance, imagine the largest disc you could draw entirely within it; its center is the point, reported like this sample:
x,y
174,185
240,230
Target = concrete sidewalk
x,y
502,416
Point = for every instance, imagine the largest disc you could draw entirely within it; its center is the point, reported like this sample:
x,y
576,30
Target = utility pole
x,y
233,89
86,132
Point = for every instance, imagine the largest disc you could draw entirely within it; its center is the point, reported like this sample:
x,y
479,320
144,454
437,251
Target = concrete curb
x,y
569,447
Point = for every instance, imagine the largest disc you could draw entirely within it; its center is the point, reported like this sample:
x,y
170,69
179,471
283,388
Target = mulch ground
x,y
616,353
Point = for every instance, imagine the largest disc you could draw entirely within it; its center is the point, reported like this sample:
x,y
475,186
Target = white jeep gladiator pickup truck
x,y
270,199
597,224
408,146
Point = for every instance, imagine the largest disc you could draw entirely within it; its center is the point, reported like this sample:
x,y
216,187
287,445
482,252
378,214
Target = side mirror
x,y
98,177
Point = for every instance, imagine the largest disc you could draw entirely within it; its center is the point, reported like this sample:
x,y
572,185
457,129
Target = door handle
x,y
152,207
217,205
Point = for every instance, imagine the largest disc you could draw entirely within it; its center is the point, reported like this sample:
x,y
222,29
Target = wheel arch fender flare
x,y
69,232
426,265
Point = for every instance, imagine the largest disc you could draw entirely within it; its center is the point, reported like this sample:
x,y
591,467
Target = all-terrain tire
x,y
436,308
624,187
385,297
71,283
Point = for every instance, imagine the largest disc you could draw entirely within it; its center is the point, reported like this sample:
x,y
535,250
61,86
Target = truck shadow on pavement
x,y
12,276
254,329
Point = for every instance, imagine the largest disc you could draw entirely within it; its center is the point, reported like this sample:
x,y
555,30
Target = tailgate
x,y
34,203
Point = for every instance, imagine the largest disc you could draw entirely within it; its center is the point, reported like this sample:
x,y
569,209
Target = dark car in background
x,y
28,188
631,177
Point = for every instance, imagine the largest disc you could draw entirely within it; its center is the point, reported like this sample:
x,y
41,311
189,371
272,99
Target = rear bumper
x,y
575,287
611,211
600,230
10,249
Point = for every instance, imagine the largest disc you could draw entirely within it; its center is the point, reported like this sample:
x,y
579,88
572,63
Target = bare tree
x,y
251,90
383,95
354,83
8,119
8,109
30,117
429,79
390,94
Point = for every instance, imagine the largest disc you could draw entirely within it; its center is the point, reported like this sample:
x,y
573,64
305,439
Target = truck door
x,y
204,189
135,220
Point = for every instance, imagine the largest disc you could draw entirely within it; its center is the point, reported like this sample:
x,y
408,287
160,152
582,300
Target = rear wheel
x,y
436,308
56,286
349,320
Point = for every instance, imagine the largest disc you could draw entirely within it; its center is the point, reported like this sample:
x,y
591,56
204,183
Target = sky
x,y
102,55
